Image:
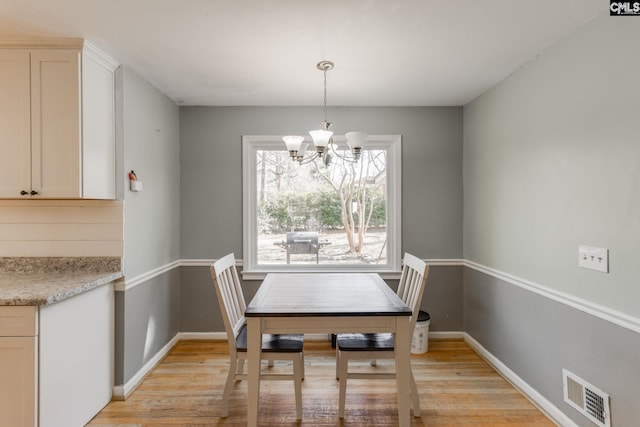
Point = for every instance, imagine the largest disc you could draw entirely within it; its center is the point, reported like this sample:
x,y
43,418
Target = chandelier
x,y
322,138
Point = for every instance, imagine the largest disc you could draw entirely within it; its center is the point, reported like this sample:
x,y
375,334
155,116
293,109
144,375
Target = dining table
x,y
327,303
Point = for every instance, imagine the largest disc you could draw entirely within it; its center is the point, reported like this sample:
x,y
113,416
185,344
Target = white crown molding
x,y
605,313
99,56
45,43
532,394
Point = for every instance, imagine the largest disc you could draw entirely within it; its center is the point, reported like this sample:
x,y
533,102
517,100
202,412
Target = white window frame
x,y
252,270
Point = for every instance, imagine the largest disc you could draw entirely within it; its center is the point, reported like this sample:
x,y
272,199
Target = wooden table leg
x,y
254,347
403,369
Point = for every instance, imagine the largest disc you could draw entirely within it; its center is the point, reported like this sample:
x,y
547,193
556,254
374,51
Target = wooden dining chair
x,y
381,345
274,347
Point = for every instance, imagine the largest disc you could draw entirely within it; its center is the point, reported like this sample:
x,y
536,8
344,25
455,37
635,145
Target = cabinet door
x,y
55,123
18,381
15,124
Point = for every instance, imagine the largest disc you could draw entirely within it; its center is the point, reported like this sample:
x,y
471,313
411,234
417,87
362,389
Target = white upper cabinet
x,y
15,123
57,126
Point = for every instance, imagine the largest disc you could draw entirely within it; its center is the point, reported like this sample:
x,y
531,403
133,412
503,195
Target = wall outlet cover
x,y
593,258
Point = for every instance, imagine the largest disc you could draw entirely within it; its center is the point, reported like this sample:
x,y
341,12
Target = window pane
x,y
314,213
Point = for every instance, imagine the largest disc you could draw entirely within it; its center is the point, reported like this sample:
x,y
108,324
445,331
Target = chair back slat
x,y
412,284
230,297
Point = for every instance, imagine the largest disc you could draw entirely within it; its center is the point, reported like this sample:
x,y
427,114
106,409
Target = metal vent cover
x,y
589,400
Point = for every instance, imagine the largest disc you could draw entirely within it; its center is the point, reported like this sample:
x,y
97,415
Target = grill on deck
x,y
302,242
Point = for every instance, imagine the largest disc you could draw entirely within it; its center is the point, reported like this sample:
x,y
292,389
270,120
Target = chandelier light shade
x,y
355,141
323,138
293,143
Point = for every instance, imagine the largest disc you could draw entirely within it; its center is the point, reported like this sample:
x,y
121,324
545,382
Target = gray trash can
x,y
420,339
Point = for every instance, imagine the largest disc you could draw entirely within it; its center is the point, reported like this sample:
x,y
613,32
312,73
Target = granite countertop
x,y
43,281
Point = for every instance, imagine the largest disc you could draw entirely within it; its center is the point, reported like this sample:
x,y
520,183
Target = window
x,y
341,216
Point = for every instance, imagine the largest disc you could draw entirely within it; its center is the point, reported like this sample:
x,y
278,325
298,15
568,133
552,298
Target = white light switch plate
x,y
593,258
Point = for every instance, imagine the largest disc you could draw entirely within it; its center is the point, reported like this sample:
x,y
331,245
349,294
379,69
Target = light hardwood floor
x,y
457,388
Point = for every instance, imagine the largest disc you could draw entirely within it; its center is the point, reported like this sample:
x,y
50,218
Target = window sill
x,y
260,274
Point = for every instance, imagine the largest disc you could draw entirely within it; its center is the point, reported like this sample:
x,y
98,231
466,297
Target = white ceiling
x,y
264,52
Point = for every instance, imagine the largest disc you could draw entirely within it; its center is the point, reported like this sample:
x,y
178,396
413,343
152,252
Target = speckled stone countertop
x,y
43,281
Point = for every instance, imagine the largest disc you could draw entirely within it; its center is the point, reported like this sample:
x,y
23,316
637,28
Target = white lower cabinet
x,y
61,375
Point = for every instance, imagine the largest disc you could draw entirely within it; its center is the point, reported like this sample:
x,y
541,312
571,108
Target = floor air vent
x,y
592,402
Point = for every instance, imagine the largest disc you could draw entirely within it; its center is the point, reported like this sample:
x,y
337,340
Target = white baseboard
x,y
121,392
446,334
548,408
202,336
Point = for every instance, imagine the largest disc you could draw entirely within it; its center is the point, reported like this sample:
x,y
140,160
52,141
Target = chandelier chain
x,y
325,95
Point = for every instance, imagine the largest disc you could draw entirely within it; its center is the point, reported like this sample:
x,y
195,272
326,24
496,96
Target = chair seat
x,y
280,343
365,342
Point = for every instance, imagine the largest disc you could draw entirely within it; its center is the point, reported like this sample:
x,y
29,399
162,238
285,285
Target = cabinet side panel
x,y
76,358
98,130
15,123
55,125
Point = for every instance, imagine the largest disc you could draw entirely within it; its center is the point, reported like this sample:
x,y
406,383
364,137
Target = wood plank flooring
x,y
457,388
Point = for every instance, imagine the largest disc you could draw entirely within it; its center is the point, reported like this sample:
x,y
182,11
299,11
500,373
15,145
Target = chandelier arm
x,y
352,158
307,160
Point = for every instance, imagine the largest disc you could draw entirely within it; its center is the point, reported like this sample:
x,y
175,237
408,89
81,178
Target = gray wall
x,y
147,316
211,192
152,149
551,161
211,174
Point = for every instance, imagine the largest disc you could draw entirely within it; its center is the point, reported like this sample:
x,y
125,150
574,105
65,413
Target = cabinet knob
x,y
34,192
23,193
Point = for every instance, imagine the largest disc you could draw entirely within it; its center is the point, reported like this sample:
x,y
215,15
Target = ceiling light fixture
x,y
322,138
